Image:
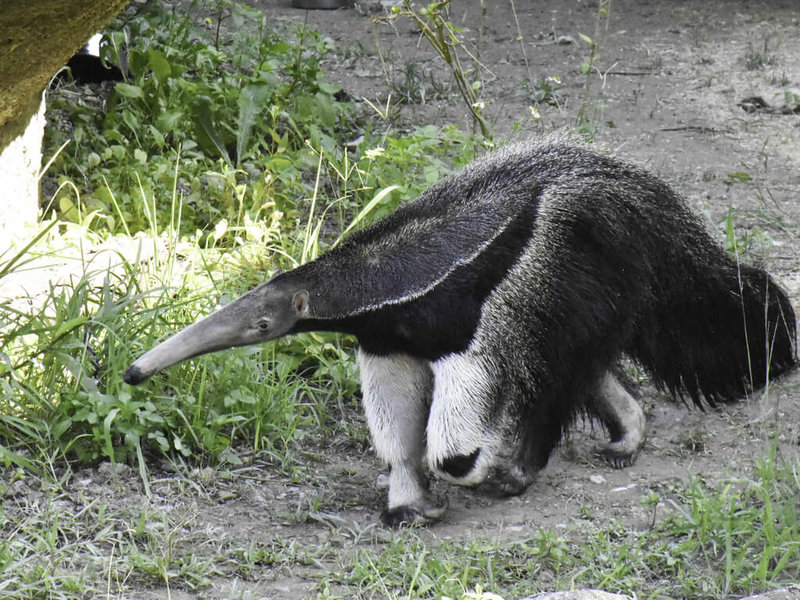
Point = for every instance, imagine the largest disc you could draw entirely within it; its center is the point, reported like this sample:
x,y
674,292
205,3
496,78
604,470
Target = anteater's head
x,y
266,312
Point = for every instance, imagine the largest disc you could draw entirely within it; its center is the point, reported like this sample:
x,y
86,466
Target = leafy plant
x,y
60,378
548,90
236,112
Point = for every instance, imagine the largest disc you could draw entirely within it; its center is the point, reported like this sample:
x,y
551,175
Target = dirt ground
x,y
669,91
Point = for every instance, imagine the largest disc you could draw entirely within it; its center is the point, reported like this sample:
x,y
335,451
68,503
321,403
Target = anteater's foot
x,y
621,453
624,419
423,512
509,481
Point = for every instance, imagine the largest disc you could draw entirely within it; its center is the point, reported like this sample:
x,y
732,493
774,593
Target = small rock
x,y
578,595
109,469
789,593
624,488
597,478
753,104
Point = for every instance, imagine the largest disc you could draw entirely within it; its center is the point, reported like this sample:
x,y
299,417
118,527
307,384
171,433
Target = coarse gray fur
x,y
493,309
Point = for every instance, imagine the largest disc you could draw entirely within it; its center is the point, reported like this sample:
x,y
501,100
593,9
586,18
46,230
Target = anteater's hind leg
x,y
622,417
397,394
516,467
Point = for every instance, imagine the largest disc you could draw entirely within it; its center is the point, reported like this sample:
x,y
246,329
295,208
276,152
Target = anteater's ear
x,y
300,301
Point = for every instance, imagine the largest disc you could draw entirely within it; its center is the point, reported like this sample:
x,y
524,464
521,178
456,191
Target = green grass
x,y
61,390
69,539
756,59
56,543
719,540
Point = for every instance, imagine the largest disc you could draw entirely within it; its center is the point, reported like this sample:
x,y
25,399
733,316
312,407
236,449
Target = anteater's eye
x,y
263,323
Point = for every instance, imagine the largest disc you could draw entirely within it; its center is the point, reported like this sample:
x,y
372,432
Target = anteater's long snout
x,y
217,331
135,375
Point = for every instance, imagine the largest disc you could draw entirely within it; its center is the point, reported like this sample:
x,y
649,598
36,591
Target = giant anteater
x,y
494,308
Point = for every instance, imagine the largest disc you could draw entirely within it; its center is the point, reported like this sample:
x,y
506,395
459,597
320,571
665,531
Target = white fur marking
x,y
397,392
458,421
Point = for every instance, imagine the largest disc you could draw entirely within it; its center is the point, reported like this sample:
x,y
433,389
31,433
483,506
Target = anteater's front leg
x,y
397,394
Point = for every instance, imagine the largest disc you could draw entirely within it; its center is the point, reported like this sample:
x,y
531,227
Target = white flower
x,y
374,153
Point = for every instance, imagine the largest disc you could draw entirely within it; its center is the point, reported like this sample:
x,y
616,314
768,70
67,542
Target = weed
x,y
521,41
588,108
742,242
745,532
418,85
693,440
435,25
757,59
547,91
64,545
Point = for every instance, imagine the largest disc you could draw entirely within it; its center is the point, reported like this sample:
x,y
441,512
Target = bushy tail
x,y
717,333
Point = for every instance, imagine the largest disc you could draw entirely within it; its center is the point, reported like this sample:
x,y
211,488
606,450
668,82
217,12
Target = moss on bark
x,y
36,39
